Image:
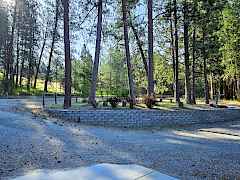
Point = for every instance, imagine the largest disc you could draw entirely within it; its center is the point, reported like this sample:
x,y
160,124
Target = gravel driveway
x,y
28,142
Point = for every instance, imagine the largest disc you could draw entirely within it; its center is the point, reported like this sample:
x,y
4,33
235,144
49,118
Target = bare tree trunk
x,y
68,79
40,60
206,89
139,44
17,61
150,50
54,35
30,59
173,51
127,51
92,96
186,54
21,72
9,79
176,51
211,86
193,67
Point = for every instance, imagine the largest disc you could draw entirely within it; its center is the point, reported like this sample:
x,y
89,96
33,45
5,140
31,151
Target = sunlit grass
x,y
166,104
53,87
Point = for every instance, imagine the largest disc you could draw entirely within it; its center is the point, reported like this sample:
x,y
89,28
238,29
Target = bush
x,y
131,103
84,100
124,103
149,101
105,103
114,101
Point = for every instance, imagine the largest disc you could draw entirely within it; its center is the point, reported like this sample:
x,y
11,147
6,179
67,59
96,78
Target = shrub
x,y
124,103
131,103
105,103
114,101
84,100
149,101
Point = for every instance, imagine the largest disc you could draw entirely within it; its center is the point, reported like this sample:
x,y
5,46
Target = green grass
x,y
53,87
165,105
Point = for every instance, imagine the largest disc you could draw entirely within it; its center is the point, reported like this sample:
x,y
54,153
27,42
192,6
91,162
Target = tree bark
x,y
211,86
21,71
17,61
186,54
67,80
206,89
193,67
40,60
127,50
9,67
30,59
150,50
176,51
92,96
52,47
172,51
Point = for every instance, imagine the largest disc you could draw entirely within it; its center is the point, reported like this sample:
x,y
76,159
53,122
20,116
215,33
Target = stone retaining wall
x,y
145,118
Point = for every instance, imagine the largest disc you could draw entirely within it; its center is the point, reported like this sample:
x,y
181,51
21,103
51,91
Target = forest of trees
x,y
127,48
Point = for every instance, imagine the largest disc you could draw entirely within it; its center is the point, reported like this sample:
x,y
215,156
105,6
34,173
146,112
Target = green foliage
x,y
82,71
230,38
113,76
163,74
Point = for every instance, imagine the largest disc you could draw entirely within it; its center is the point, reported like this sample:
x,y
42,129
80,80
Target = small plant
x,y
180,104
114,101
149,101
105,103
84,100
131,103
124,103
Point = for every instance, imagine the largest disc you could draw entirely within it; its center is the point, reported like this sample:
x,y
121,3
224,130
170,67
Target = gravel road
x,y
29,142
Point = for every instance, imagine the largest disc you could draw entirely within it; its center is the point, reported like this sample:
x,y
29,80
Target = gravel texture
x,y
29,142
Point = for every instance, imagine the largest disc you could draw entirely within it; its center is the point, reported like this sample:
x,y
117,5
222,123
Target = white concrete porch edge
x,y
98,172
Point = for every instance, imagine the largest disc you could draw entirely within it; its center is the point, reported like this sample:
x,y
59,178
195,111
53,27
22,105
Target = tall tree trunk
x,y
193,67
150,49
127,50
9,79
92,96
186,54
40,60
17,61
211,86
30,60
238,88
206,89
173,51
22,62
176,51
68,68
139,44
54,35
21,72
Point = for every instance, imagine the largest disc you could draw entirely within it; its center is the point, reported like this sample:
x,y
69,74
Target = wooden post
x,y
43,100
55,98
